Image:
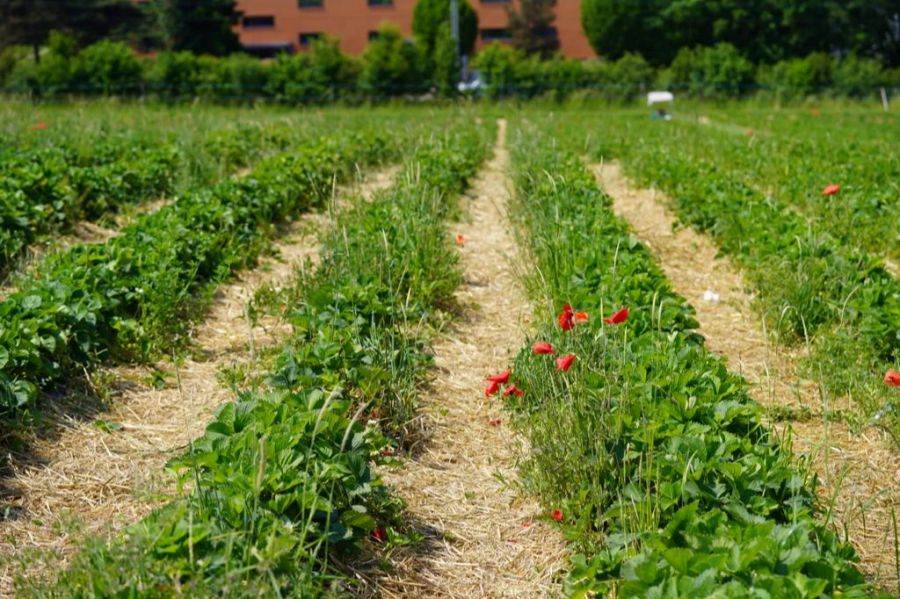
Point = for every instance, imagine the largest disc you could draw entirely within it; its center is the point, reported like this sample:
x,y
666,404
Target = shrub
x,y
629,77
109,67
391,65
858,77
711,72
236,77
175,74
798,76
496,63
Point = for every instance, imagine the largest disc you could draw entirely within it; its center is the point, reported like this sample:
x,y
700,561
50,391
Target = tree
x,y
430,16
29,22
615,27
531,27
762,30
198,26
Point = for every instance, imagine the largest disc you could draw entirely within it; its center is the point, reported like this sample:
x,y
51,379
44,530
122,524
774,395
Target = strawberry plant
x,y
136,294
811,284
670,483
281,483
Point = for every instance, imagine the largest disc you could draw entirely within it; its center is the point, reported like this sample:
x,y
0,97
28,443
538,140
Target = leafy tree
x,y
198,26
431,16
615,27
761,30
531,27
29,22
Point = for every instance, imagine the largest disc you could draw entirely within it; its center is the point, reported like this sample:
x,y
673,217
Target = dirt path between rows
x,y
482,538
860,467
87,481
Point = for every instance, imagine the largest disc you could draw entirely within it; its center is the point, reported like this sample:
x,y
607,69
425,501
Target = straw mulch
x,y
860,467
482,538
82,479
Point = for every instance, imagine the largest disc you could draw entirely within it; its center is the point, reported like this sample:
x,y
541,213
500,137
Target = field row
x,y
47,191
813,281
135,295
669,481
283,482
646,451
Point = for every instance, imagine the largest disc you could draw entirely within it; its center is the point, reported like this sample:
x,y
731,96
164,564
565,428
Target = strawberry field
x,y
432,351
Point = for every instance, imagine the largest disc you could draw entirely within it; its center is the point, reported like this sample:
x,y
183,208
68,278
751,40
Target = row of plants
x,y
796,170
42,193
137,294
662,473
47,190
282,489
810,286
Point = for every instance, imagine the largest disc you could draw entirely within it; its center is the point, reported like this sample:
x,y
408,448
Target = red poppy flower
x,y
460,240
513,390
750,132
892,378
565,318
502,378
542,347
557,515
379,534
563,363
492,388
617,318
831,190
40,125
494,422
581,317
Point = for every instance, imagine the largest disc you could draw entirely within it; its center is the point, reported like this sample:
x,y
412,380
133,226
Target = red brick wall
x,y
351,21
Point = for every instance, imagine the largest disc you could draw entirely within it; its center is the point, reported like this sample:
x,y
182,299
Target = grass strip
x,y
667,481
282,485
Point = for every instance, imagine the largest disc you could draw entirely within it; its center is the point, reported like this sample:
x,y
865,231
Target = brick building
x,y
271,26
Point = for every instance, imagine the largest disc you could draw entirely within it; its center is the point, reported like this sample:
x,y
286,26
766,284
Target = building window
x,y
381,2
307,38
495,35
309,3
259,22
374,35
